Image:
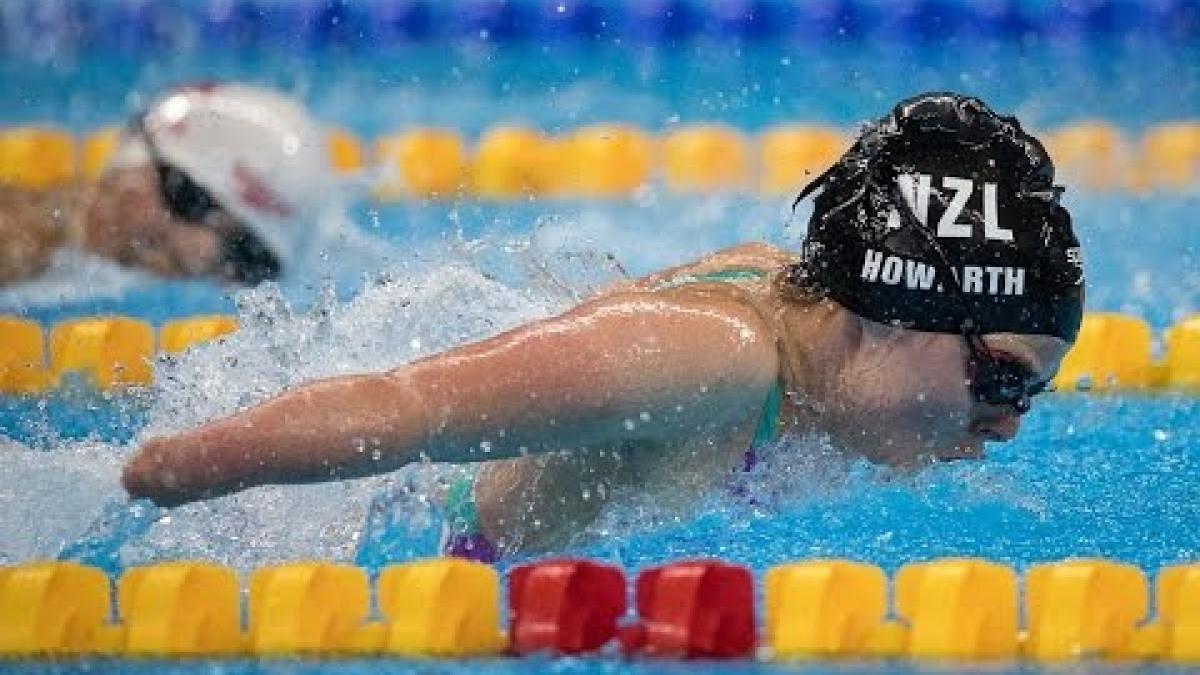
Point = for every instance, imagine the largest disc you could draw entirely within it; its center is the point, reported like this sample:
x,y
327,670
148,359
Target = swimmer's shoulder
x,y
737,282
756,255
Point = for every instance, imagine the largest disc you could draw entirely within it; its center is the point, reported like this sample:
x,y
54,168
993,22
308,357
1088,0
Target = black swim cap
x,y
944,217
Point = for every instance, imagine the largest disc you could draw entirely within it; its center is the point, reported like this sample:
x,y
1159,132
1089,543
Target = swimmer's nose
x,y
247,260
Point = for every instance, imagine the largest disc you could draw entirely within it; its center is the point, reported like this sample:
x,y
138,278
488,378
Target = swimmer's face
x,y
127,221
906,395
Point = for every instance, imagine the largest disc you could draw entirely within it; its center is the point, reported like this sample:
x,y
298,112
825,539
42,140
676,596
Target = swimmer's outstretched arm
x,y
625,367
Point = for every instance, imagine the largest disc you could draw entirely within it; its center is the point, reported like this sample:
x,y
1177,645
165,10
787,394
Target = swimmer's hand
x,y
149,475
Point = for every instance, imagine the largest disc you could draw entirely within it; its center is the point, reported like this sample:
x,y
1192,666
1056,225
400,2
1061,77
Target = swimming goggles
x,y
246,256
1000,380
182,196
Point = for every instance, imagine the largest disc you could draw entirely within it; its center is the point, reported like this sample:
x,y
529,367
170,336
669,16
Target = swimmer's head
x,y
942,223
246,164
899,395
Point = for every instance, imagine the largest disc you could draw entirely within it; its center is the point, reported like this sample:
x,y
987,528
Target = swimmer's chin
x,y
970,448
996,430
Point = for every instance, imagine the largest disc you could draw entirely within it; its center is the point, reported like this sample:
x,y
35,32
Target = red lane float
x,y
693,609
564,606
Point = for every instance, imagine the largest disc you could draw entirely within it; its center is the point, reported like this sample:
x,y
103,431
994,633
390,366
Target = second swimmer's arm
x,y
626,367
32,226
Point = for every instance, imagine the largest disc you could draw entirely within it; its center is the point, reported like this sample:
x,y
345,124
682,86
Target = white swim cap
x,y
259,154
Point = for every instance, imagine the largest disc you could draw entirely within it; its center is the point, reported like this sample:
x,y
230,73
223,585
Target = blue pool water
x,y
1112,476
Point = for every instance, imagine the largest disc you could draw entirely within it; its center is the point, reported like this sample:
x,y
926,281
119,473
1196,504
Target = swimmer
x,y
938,288
223,181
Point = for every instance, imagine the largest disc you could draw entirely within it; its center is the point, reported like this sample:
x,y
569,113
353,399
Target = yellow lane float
x,y
442,607
182,334
961,609
1171,155
1112,352
307,608
1093,153
602,161
345,151
1083,608
36,158
179,609
706,159
1181,355
823,608
109,351
51,608
22,357
794,155
424,164
511,163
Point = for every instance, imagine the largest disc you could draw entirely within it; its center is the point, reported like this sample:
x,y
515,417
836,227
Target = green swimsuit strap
x,y
768,420
728,275
768,427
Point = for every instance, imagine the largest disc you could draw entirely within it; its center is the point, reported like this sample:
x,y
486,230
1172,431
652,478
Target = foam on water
x,y
51,497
